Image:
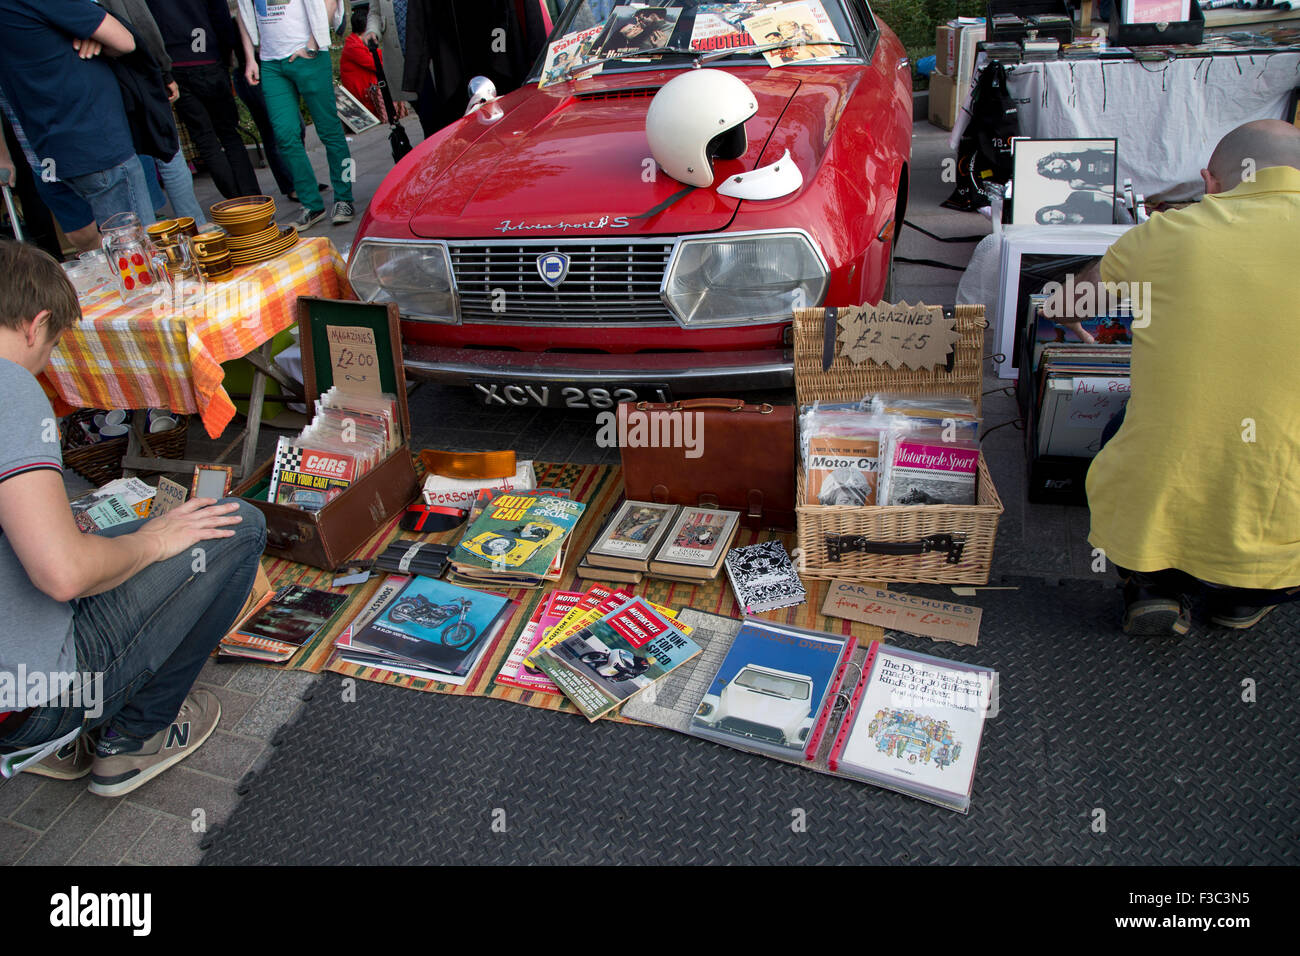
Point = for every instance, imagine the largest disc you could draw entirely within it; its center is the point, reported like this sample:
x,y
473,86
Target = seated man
x,y
114,629
1199,490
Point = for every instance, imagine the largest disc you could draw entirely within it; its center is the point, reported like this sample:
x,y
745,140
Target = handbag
x,y
712,452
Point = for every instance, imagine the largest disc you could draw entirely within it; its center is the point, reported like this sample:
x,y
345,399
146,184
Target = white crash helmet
x,y
696,117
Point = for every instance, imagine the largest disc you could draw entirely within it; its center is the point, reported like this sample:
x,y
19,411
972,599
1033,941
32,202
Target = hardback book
x,y
516,539
696,544
632,535
763,577
932,473
591,572
433,625
770,691
914,724
616,657
842,470
292,618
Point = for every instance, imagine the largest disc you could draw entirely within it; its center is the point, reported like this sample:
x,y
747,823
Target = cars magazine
x,y
516,536
616,657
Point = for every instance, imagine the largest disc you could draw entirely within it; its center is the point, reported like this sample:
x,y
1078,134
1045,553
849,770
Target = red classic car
x,y
539,251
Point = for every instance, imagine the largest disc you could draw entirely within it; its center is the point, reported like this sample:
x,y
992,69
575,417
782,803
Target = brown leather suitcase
x,y
327,538
745,459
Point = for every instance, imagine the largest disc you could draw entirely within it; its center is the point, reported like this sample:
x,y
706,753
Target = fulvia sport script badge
x,y
553,267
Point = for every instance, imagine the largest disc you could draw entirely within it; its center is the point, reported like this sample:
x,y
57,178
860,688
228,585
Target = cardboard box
x,y
943,100
327,538
945,49
954,50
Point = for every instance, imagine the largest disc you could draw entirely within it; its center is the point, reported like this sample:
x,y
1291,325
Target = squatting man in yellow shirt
x,y
104,634
1198,492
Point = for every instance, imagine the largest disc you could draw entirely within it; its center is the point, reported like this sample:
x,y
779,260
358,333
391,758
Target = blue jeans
x,y
150,636
178,184
120,188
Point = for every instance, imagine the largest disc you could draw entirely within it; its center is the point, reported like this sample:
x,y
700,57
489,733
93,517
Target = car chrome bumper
x,y
684,371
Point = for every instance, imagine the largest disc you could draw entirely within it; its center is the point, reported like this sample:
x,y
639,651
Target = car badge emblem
x,y
553,267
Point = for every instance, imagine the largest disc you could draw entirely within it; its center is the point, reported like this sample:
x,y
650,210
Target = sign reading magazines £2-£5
x,y
918,336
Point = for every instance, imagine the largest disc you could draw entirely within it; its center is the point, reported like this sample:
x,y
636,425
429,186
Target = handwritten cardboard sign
x,y
941,620
168,495
354,358
918,336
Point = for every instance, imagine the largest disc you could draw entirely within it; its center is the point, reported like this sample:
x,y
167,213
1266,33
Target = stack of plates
x,y
278,241
244,215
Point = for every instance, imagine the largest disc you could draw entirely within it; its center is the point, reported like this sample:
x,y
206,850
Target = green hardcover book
x,y
517,535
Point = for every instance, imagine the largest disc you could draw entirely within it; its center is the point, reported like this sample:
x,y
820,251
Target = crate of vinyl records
x,y
348,472
892,484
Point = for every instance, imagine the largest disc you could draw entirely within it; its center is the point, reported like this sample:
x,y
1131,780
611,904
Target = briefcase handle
x,y
695,404
951,544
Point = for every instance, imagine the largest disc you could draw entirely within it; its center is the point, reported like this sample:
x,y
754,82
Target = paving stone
x,y
215,674
58,844
251,679
169,842
180,791
234,706
225,755
280,702
13,793
114,838
14,842
49,800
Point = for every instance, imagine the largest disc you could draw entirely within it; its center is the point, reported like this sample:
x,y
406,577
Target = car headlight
x,y
744,278
415,275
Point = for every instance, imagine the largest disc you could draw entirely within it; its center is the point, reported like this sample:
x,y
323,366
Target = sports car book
x,y
763,577
432,624
517,537
771,689
309,478
616,657
914,725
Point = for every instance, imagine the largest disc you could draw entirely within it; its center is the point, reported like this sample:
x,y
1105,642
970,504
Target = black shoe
x,y
308,218
1152,613
1240,617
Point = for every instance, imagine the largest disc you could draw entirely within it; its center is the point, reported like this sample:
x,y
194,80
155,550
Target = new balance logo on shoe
x,y
178,735
76,909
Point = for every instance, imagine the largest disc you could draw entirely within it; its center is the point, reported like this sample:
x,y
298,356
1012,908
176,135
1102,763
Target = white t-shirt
x,y
283,26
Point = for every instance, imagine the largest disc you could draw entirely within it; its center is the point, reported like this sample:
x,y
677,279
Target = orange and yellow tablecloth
x,y
166,351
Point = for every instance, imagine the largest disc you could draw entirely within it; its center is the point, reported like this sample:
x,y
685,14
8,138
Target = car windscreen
x,y
773,684
679,32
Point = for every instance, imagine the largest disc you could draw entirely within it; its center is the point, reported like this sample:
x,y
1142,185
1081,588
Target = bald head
x,y
1248,147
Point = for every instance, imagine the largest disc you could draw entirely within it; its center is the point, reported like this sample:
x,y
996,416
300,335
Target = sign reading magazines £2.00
x,y
918,336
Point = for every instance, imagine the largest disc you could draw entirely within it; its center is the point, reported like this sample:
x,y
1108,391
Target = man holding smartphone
x,y
106,633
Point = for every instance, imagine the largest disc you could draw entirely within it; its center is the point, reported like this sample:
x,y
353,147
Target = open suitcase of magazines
x,y
328,537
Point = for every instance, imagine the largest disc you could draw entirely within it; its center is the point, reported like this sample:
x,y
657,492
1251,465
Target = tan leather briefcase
x,y
715,452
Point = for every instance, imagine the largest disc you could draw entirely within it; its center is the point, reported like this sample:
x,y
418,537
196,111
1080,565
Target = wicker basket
x,y
847,381
955,541
101,462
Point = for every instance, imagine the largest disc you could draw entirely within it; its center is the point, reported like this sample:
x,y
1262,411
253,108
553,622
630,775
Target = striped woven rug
x,y
600,487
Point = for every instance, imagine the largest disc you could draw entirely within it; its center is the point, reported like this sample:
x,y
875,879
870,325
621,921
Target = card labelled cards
x,y
941,620
169,495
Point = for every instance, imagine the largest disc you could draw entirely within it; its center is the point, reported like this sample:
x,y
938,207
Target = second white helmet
x,y
696,117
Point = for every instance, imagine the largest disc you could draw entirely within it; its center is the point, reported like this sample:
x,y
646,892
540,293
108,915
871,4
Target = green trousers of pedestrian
x,y
310,78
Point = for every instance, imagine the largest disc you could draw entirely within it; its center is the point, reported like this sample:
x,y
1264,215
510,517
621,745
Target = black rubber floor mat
x,y
1106,749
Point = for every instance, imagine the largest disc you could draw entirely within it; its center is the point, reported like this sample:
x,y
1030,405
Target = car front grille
x,y
747,728
607,282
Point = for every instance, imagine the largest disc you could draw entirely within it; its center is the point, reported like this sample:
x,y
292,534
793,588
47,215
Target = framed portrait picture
x,y
1031,256
211,481
1063,181
352,112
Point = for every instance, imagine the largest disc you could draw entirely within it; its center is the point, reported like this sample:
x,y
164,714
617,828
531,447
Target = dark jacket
x,y
137,14
457,38
144,95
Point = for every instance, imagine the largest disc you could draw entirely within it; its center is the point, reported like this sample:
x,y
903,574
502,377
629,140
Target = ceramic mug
x,y
209,245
